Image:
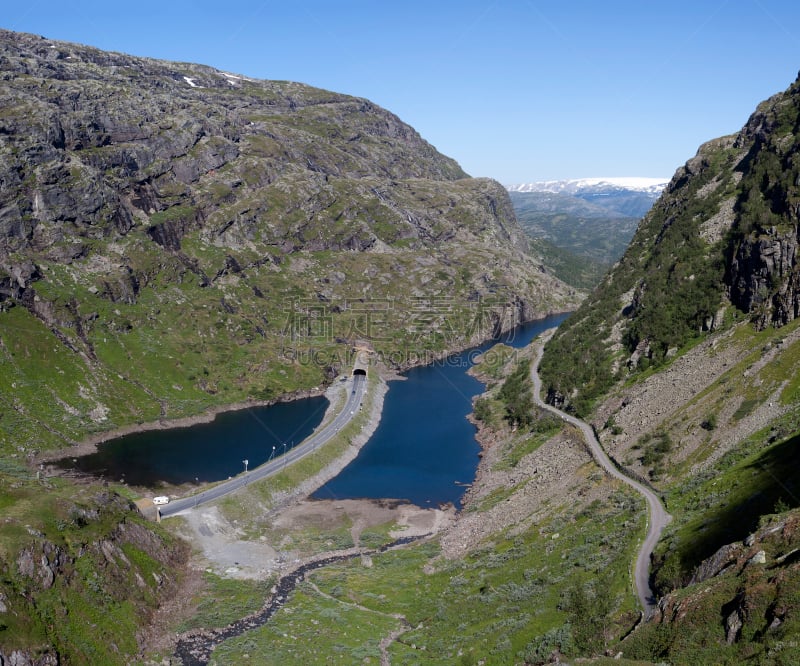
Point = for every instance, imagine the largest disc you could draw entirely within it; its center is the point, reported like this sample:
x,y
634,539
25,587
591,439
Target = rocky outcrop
x,y
15,278
41,562
750,583
22,658
96,142
98,551
765,277
725,557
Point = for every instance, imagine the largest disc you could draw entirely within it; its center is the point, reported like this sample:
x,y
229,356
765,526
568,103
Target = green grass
x,y
785,372
493,605
103,557
225,600
342,633
492,363
377,535
498,495
726,503
522,445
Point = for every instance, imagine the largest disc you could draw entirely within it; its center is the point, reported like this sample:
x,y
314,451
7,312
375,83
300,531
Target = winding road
x,y
657,514
273,466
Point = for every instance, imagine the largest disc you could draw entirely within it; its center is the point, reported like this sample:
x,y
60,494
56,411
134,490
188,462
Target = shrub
x,y
516,393
710,423
482,410
542,648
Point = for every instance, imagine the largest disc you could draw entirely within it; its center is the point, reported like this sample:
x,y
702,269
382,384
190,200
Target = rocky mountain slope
x,y
724,233
685,359
174,237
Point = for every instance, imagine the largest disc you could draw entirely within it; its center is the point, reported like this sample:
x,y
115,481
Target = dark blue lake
x,y
424,449
206,451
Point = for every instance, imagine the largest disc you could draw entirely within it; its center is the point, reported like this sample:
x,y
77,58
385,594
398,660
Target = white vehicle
x,y
161,499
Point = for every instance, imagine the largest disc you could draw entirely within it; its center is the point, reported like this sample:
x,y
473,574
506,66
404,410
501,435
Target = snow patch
x,y
573,186
191,82
233,78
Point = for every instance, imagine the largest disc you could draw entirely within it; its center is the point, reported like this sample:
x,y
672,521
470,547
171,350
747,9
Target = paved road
x,y
658,516
273,466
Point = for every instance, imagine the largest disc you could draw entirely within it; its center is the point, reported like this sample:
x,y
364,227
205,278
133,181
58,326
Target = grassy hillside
x,y
82,573
685,359
536,567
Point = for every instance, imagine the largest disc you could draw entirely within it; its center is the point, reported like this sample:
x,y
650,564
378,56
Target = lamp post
x,y
245,461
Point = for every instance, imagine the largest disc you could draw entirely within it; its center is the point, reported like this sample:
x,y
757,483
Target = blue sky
x,y
518,90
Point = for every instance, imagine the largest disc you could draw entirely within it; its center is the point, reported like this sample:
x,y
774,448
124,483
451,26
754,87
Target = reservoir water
x,y
423,451
206,451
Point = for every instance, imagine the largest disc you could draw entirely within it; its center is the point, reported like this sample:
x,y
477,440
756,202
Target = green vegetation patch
x,y
519,446
225,600
577,271
83,572
516,394
502,603
659,298
764,597
725,504
314,630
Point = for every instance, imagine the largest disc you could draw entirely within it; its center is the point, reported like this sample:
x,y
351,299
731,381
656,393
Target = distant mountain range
x,y
576,185
572,221
628,197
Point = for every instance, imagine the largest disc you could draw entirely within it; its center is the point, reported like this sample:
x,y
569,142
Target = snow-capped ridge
x,y
578,185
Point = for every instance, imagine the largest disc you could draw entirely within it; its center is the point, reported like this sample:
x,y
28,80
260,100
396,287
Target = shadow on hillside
x,y
769,483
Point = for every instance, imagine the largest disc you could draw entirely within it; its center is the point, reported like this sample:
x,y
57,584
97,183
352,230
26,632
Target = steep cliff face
x,y
173,236
685,359
724,232
764,277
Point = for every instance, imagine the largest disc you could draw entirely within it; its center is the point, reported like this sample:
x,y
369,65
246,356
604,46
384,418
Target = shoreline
x,y
428,358
310,485
90,444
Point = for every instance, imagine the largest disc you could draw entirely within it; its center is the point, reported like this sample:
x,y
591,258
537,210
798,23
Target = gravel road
x,y
657,514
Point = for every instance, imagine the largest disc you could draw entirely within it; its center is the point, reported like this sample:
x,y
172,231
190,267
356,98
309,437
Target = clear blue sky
x,y
518,90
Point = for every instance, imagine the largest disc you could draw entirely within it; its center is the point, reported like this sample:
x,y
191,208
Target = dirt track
x,y
658,516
